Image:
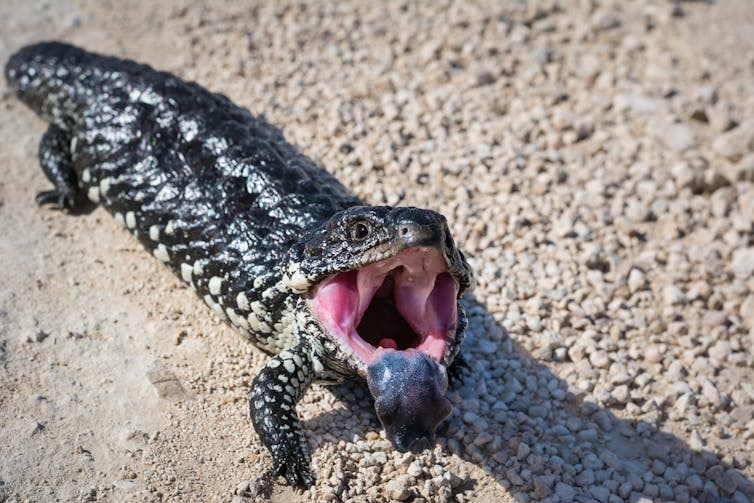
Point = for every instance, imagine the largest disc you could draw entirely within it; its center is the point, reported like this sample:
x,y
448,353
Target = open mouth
x,y
405,302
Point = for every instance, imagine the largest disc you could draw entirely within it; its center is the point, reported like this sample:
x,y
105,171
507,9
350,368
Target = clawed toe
x,y
57,199
296,474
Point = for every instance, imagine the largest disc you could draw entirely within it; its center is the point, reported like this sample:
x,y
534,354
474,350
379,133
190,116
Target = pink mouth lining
x,y
409,301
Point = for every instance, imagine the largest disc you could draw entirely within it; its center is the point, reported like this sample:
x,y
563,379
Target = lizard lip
x,y
404,302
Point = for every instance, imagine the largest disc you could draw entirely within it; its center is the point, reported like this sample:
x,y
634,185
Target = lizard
x,y
330,287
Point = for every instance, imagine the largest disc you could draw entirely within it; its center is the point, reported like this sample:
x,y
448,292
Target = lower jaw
x,y
432,346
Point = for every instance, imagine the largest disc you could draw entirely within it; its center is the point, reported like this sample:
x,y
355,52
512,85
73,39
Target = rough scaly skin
x,y
222,199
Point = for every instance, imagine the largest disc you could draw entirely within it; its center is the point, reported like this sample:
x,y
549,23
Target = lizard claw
x,y
293,464
56,198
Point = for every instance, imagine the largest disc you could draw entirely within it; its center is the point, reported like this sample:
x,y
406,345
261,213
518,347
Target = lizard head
x,y
382,285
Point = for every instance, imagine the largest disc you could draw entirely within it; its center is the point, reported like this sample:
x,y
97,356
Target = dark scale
x,y
269,240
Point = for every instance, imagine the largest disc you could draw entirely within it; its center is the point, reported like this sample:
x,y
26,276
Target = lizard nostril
x,y
404,230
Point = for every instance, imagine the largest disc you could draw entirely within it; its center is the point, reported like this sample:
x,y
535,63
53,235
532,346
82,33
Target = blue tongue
x,y
409,397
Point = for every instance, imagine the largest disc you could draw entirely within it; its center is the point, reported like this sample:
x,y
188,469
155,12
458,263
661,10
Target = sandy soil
x,y
117,384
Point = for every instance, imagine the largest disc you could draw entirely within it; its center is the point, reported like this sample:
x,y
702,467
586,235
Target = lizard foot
x,y
292,463
58,199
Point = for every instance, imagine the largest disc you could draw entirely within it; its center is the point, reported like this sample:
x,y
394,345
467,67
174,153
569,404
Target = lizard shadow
x,y
542,440
82,207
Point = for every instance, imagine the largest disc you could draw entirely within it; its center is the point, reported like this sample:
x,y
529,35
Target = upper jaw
x,y
416,282
329,249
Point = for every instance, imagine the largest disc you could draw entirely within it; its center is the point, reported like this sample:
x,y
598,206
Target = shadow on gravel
x,y
522,424
546,440
84,207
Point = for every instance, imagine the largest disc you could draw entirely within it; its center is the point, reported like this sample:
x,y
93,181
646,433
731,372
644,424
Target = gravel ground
x,y
596,160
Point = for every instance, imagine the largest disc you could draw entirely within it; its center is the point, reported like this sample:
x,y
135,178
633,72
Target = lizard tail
x,y
54,79
44,76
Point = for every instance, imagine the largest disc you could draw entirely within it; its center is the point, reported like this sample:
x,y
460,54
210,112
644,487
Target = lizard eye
x,y
359,231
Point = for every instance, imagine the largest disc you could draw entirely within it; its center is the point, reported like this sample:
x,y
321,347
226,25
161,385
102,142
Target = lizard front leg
x,y
55,158
272,404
